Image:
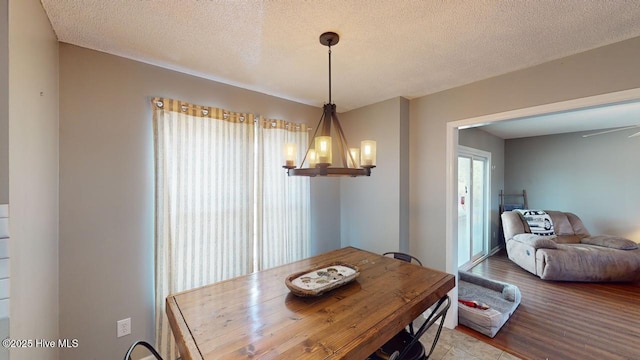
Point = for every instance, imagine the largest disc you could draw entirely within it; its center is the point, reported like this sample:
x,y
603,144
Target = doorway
x,y
473,205
451,154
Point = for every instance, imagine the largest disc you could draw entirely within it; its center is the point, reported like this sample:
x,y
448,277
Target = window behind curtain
x,y
283,202
224,206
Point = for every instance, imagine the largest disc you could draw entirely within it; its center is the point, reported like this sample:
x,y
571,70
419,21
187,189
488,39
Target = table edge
x,y
446,284
187,348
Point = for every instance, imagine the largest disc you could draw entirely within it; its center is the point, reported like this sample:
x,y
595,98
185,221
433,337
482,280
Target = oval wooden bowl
x,y
324,288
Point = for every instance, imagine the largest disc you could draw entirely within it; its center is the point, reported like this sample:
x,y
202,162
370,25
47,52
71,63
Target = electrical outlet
x,y
124,327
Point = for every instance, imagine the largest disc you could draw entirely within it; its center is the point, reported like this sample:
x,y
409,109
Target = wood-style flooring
x,y
565,320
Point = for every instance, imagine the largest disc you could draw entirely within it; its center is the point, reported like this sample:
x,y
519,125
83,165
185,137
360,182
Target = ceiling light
x,y
319,159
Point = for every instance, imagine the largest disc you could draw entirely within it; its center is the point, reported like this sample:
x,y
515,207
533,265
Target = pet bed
x,y
501,298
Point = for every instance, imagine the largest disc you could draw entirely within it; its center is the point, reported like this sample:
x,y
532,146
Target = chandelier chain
x,y
329,72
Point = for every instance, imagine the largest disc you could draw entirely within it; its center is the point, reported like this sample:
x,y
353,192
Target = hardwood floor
x,y
565,320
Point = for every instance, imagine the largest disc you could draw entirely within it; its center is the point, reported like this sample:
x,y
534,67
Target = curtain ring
x,y
205,112
241,118
159,104
184,108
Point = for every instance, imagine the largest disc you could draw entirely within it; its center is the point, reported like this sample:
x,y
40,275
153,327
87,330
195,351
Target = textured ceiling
x,y
387,48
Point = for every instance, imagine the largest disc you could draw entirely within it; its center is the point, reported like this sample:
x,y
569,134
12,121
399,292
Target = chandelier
x,y
319,159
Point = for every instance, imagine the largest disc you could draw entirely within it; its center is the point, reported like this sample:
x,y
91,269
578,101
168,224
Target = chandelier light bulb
x,y
290,153
368,148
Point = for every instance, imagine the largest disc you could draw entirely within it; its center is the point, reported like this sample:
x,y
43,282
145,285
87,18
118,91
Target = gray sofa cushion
x,y
582,262
611,241
567,227
537,241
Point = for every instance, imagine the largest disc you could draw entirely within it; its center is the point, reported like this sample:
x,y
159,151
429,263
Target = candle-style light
x,y
290,154
354,159
368,151
323,149
311,155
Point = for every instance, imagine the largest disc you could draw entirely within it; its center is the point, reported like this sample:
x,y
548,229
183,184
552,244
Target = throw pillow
x,y
610,241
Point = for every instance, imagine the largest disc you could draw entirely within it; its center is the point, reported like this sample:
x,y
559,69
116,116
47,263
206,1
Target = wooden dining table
x,y
257,317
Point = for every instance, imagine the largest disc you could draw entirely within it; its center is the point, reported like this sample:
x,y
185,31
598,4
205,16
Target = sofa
x,y
572,253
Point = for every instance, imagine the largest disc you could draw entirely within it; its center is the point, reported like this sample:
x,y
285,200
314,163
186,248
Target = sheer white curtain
x,y
224,204
204,201
283,202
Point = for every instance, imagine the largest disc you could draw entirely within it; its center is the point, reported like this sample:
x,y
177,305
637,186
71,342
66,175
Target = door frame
x,y
451,155
473,152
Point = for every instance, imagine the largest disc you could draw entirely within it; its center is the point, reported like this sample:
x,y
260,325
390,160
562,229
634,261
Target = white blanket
x,y
539,221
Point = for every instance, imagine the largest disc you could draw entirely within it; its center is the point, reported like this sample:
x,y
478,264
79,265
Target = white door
x,y
473,205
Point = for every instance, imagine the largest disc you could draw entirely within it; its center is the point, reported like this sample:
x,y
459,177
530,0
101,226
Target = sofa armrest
x,y
513,223
610,241
536,241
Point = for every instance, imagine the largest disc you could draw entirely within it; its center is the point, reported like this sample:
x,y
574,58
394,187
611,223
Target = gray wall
x,y
603,70
4,101
482,140
33,177
596,178
4,135
374,210
107,190
325,212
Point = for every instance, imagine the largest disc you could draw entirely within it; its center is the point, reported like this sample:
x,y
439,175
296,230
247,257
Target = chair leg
x,y
439,312
442,315
144,344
